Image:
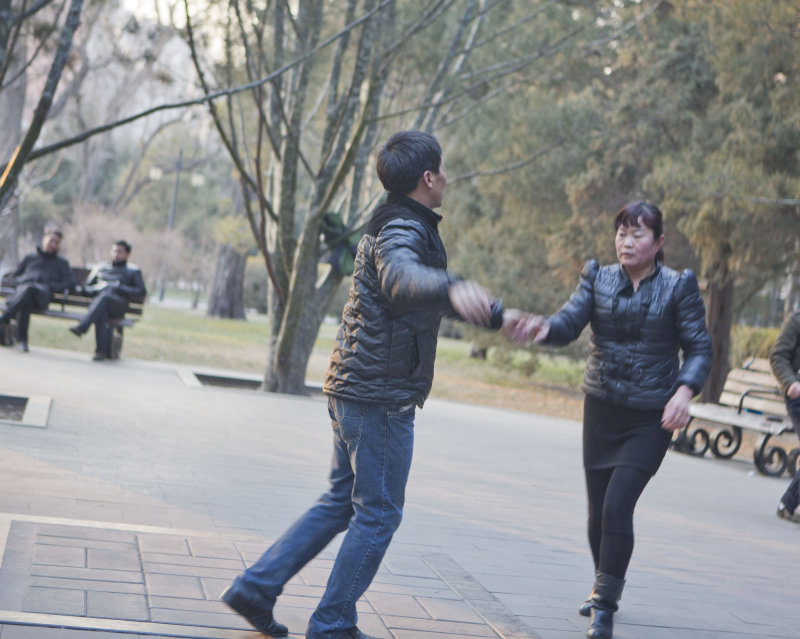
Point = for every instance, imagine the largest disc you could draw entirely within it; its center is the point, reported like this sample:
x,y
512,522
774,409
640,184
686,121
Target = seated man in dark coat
x,y
113,285
37,278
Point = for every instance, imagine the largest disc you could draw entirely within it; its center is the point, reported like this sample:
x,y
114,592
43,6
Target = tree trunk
x,y
719,318
9,237
288,374
227,292
12,104
8,181
790,301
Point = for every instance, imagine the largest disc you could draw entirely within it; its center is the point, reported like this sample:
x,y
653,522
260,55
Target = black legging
x,y
612,495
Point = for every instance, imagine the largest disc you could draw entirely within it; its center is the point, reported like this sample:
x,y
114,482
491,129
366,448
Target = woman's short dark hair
x,y
642,213
404,159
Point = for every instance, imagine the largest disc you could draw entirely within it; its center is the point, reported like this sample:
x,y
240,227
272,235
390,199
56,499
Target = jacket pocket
x,y
425,351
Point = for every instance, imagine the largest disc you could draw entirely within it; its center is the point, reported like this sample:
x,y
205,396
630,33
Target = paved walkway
x,y
146,493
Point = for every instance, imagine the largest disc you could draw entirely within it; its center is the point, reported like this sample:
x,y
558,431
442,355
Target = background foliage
x,y
552,115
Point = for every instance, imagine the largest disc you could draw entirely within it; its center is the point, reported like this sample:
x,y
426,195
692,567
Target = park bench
x,y
751,400
69,305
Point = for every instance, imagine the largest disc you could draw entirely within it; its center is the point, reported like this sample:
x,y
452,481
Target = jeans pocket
x,y
396,411
348,417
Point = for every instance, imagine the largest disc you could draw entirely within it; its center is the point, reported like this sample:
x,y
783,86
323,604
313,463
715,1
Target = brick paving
x,y
144,495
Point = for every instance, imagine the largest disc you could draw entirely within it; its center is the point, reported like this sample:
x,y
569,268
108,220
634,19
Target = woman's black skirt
x,y
619,436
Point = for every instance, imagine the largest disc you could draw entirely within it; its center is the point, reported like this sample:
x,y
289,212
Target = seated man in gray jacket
x,y
113,285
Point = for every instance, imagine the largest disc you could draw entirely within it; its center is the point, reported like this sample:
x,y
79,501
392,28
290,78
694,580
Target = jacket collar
x,y
624,280
424,211
399,206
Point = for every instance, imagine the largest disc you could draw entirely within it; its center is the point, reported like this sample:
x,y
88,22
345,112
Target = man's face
x,y
118,253
51,243
438,182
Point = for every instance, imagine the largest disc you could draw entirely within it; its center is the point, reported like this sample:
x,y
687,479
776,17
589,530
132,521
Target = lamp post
x,y
171,219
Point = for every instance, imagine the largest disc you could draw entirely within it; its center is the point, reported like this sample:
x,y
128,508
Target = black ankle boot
x,y
605,595
586,607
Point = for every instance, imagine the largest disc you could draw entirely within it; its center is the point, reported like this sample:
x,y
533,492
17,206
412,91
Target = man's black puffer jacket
x,y
47,269
123,280
636,338
386,344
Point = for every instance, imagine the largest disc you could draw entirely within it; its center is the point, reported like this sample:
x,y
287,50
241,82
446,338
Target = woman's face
x,y
637,246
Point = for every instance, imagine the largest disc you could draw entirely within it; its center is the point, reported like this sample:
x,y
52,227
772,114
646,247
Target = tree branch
x,y
81,137
234,154
23,151
510,167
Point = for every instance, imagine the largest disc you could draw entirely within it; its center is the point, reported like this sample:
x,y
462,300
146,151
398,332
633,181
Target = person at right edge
x,y
642,314
785,361
381,370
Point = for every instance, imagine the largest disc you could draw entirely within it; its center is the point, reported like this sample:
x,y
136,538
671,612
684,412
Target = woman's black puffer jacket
x,y
386,344
636,337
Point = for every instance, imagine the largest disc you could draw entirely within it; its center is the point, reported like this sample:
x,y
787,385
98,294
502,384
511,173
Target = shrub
x,y
748,341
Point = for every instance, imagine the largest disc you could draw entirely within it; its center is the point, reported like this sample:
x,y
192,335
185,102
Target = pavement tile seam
x,y
484,603
199,562
88,574
143,628
687,533
50,540
431,625
86,585
153,592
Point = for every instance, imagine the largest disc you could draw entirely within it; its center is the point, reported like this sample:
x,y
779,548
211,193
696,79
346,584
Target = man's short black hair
x,y
124,245
405,157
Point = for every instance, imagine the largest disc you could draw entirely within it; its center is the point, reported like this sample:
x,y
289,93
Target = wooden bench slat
x,y
737,388
754,378
753,402
758,364
730,417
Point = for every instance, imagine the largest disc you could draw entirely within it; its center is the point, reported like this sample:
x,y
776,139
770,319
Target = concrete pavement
x,y
146,493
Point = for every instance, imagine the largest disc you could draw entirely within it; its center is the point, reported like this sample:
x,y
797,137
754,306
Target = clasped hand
x,y
519,326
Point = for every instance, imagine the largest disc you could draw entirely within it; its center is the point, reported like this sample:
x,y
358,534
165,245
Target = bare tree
x,y
338,76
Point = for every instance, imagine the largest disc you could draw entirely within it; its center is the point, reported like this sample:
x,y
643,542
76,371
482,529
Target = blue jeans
x,y
372,449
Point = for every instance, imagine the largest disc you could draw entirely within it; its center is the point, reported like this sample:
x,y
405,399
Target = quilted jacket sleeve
x,y
133,285
695,342
405,280
566,325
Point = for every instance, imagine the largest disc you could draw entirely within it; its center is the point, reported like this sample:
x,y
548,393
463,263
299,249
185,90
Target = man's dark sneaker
x,y
23,346
252,605
98,357
76,330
